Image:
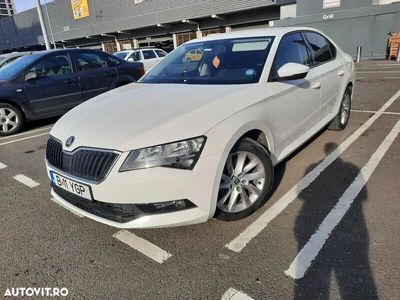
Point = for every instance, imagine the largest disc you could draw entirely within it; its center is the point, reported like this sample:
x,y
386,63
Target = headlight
x,y
181,155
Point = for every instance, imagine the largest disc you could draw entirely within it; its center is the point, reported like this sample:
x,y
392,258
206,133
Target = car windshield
x,y
228,61
121,55
11,70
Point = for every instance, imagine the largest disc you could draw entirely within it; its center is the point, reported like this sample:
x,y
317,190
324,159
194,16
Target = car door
x,y
96,77
332,70
149,59
52,86
296,102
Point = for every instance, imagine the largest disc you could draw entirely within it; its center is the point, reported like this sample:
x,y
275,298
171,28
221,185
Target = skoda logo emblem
x,y
70,141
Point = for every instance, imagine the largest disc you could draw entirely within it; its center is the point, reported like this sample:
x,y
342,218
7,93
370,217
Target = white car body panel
x,y
143,115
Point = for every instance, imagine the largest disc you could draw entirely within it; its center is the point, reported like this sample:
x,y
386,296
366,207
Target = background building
x,y
7,8
123,24
350,23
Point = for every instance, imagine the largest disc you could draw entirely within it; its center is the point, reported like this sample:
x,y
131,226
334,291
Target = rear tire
x,y
246,183
342,118
11,119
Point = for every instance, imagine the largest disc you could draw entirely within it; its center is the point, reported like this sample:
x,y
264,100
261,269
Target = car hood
x,y
142,115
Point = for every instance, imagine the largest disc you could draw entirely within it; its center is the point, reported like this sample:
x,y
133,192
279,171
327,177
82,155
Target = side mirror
x,y
292,71
31,76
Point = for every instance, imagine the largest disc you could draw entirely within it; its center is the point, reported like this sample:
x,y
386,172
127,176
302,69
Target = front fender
x,y
223,137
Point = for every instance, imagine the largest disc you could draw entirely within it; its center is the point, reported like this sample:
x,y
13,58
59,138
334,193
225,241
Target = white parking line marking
x,y
233,294
67,208
26,180
387,78
145,247
240,242
377,71
2,166
23,139
25,133
310,251
373,112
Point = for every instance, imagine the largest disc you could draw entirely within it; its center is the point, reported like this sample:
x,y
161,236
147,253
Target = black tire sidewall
x,y
346,94
20,118
255,148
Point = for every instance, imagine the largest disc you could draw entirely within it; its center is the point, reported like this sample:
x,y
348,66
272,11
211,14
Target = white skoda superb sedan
x,y
194,139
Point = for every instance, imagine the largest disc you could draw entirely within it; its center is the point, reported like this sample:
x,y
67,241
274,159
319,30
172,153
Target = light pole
x,y
50,27
42,25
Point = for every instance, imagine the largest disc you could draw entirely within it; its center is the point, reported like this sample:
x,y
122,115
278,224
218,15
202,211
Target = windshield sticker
x,y
216,62
250,72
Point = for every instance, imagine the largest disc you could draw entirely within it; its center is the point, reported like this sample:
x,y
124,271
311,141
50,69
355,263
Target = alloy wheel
x,y
242,182
8,120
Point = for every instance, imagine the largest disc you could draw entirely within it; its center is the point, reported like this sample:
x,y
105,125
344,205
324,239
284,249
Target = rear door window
x,y
320,47
112,61
161,53
149,54
89,61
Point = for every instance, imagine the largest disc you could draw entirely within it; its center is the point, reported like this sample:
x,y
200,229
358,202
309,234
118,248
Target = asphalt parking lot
x,y
330,230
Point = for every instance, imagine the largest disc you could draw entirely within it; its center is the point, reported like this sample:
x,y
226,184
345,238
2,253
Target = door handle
x,y
316,85
341,73
69,81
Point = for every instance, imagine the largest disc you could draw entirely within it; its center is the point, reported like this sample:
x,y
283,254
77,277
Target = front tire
x,y
11,119
342,118
246,182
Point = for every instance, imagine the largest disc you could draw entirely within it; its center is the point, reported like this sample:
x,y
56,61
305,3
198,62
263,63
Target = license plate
x,y
71,186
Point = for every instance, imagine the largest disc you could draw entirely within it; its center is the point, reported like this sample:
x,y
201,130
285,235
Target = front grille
x,y
90,164
120,213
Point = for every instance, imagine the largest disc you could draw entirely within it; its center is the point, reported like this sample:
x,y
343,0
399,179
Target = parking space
x,y
328,231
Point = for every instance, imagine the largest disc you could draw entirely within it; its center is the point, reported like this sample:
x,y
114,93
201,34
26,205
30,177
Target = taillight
x,y
142,71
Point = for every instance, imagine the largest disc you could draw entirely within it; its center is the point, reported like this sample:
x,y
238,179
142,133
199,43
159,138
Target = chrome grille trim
x,y
90,164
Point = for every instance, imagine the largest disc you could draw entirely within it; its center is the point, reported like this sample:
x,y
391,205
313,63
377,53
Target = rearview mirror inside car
x,y
292,71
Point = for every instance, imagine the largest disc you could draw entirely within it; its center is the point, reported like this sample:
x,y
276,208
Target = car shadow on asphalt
x,y
39,123
344,258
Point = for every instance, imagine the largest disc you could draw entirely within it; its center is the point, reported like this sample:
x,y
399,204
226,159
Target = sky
x,y
22,5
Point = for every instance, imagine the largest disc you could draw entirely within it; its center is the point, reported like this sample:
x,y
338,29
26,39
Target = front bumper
x,y
123,192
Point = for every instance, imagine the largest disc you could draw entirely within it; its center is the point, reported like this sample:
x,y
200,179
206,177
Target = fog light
x,y
165,207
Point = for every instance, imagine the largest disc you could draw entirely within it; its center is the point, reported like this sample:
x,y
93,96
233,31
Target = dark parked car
x,y
49,83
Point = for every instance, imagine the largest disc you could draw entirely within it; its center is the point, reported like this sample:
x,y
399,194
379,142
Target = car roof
x,y
268,31
14,54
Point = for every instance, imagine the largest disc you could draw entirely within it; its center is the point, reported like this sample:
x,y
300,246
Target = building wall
x,y
310,7
7,7
122,15
350,26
